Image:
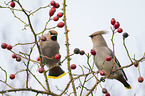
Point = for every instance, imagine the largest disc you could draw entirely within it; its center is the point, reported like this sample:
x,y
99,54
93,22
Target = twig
x,y
19,18
5,73
127,50
35,37
66,87
6,84
29,89
113,30
20,71
38,9
66,58
34,76
28,65
67,46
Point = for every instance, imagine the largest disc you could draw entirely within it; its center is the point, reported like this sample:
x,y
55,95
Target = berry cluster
x,y
140,79
116,26
9,47
104,91
18,58
78,51
4,46
59,15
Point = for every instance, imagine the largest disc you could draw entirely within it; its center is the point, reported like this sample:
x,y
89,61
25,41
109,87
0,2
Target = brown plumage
x,y
102,51
50,48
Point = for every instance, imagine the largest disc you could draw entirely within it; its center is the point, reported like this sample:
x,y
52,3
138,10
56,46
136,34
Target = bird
x,y
49,49
102,51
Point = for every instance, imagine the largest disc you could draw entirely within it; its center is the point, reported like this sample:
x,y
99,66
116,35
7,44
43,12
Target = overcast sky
x,y
83,18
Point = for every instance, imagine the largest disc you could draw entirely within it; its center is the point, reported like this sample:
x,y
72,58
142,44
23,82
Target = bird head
x,y
98,33
98,39
52,35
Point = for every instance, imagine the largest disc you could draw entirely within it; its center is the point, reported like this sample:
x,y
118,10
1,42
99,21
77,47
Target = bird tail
x,y
123,81
56,73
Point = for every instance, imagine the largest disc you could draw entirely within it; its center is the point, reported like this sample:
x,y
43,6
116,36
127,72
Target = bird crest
x,y
98,33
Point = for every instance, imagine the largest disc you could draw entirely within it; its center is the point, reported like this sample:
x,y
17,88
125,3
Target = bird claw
x,y
102,79
112,72
59,63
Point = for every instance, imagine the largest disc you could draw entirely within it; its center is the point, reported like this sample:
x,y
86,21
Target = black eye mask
x,y
54,37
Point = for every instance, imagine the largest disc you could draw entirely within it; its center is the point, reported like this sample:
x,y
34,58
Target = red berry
x,y
56,5
4,45
102,73
43,38
52,3
104,90
9,47
60,24
119,30
140,79
56,18
93,52
14,56
57,56
113,21
12,4
73,66
52,11
107,94
108,58
18,58
41,70
60,14
38,59
116,25
136,63
12,76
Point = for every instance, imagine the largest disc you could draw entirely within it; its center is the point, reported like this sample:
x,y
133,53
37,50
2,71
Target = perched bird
x,y
102,51
49,49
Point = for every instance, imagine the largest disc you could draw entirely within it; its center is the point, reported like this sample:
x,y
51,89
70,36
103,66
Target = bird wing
x,y
117,62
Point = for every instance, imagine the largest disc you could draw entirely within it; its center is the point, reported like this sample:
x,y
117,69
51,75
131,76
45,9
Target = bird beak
x,y
91,36
54,37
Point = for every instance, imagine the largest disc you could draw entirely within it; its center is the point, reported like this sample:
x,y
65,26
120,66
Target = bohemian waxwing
x,y
102,51
49,49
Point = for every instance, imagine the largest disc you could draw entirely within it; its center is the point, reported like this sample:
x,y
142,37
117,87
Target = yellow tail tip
x,y
53,77
128,87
